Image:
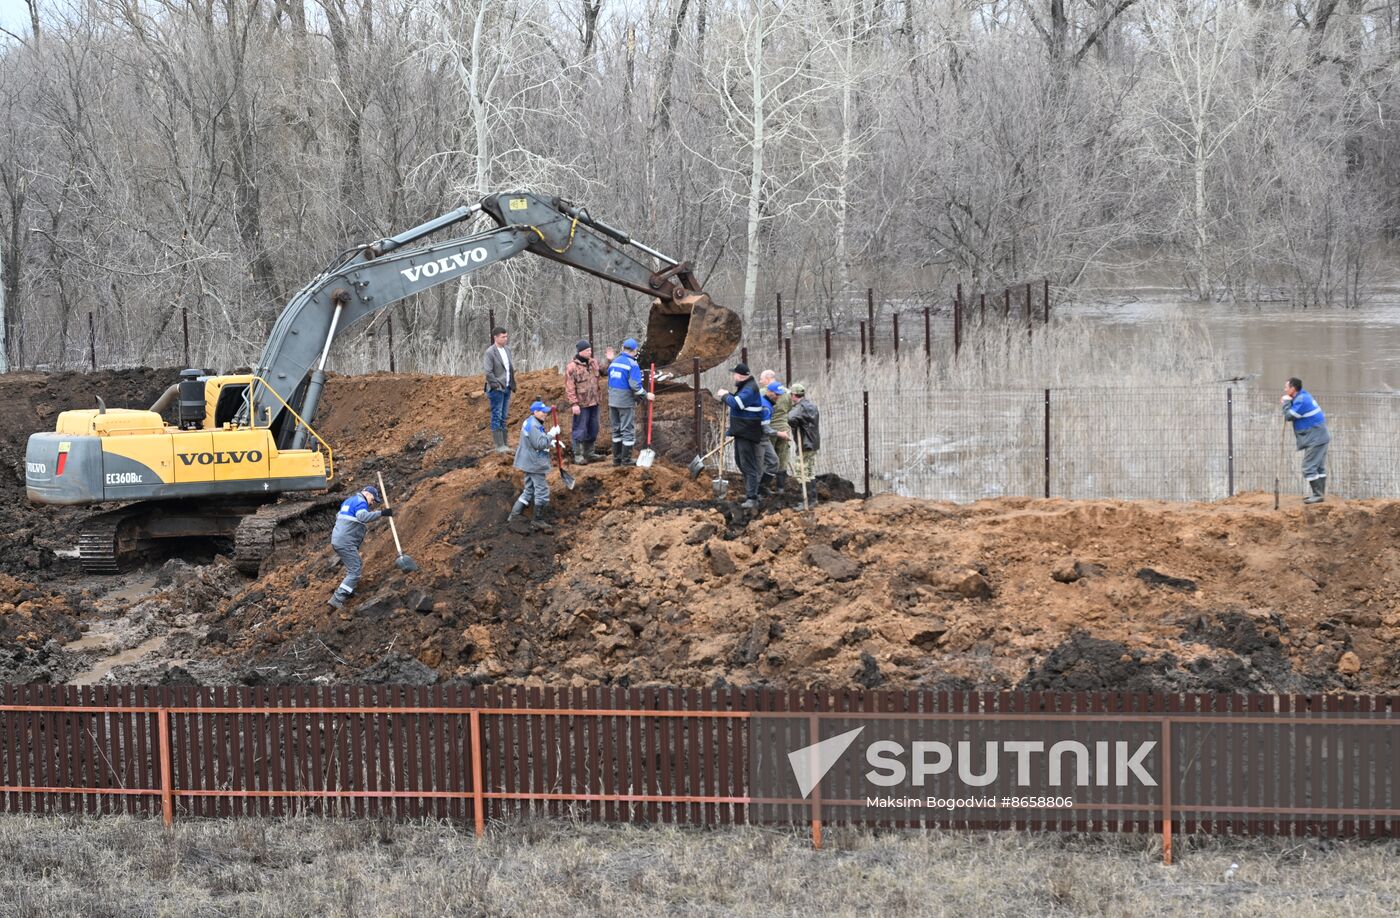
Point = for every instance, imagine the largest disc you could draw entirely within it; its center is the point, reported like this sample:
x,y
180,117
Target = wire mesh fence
x,y
1164,443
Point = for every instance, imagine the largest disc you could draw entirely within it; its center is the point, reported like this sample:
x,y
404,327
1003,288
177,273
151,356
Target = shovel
x,y
697,465
797,438
647,456
403,562
1278,461
559,453
721,484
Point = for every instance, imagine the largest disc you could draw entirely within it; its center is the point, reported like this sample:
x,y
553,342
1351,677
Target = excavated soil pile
x,y
646,578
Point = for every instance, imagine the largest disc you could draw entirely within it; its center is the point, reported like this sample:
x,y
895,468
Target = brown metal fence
x,y
1238,764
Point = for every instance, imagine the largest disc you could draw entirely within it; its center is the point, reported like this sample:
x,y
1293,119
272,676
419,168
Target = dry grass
x,y
126,867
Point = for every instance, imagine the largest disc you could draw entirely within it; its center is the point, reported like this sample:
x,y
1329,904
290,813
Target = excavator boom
x,y
684,323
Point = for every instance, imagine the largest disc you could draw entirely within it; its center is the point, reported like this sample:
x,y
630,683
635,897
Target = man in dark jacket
x,y
500,383
581,389
351,520
532,457
1310,434
804,422
746,427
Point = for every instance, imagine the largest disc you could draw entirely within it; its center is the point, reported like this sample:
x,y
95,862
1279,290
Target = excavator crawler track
x,y
278,526
106,541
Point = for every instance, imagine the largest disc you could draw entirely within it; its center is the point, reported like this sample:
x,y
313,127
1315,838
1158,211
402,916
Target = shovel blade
x,y
406,564
645,458
720,486
696,467
568,479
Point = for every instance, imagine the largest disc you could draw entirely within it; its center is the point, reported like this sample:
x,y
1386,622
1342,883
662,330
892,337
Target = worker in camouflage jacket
x,y
532,456
581,389
804,422
1309,434
351,521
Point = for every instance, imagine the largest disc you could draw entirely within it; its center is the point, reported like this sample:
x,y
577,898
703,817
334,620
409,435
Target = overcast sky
x,y
14,15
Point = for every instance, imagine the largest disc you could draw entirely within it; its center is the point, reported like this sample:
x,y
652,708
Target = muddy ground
x,y
648,579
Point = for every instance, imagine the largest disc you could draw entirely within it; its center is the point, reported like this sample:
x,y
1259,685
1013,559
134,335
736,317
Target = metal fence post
x,y
928,336
167,794
1047,441
92,342
787,359
982,304
1046,282
744,355
491,320
1030,323
590,324
478,796
814,735
862,341
1006,304
695,381
957,326
1167,778
896,336
870,305
1230,437
778,300
389,327
865,435
827,333
185,327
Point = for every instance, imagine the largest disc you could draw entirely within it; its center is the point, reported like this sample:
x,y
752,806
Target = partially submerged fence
x,y
1241,764
1165,443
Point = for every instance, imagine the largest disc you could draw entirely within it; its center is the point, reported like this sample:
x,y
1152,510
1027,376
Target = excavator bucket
x,y
687,327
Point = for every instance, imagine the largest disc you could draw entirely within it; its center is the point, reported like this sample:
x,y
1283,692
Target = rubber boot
x,y
499,436
339,597
765,486
617,452
589,452
1317,488
782,482
515,511
626,452
540,521
579,457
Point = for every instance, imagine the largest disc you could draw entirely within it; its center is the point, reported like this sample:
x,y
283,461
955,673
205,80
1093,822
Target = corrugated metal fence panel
x,y
637,766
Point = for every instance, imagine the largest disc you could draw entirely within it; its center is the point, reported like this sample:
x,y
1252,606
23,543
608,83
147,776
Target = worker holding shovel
x,y
805,423
1310,434
532,457
355,514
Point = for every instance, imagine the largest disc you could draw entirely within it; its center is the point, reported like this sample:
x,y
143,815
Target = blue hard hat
x,y
630,344
539,406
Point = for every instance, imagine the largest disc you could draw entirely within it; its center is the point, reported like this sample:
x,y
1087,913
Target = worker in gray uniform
x,y
351,521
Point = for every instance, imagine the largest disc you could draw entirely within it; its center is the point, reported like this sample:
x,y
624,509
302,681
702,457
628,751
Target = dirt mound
x,y
646,578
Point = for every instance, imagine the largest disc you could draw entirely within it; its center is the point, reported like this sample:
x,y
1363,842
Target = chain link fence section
x,y
1167,443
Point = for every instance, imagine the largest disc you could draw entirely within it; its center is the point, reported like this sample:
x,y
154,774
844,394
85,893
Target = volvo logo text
x,y
238,455
448,264
36,468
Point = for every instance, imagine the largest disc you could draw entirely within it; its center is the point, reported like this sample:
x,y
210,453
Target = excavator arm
x,y
684,323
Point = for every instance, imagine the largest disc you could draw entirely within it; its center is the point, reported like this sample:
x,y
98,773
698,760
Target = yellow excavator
x,y
238,442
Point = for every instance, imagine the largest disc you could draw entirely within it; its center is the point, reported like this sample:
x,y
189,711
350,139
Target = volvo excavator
x,y
238,442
